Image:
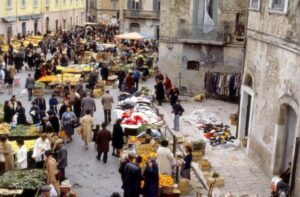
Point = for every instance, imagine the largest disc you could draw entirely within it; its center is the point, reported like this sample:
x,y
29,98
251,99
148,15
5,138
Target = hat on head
x,y
45,188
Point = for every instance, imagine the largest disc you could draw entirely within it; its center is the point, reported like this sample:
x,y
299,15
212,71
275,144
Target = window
x,y
47,3
278,5
240,26
35,3
9,31
64,24
8,4
255,4
193,65
114,5
134,4
23,3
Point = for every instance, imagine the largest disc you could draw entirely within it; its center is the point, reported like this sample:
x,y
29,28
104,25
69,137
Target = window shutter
x,y
141,5
129,4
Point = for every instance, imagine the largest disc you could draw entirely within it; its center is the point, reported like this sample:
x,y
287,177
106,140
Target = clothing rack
x,y
223,84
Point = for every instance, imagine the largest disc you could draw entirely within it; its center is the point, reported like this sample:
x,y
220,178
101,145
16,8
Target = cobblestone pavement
x,y
92,178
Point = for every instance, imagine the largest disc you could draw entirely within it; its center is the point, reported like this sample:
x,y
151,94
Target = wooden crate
x,y
204,165
219,181
197,155
37,92
234,122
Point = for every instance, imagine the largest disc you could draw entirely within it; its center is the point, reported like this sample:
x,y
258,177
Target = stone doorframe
x,y
245,91
277,156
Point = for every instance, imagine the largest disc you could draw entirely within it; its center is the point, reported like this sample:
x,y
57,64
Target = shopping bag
x,y
24,92
80,130
62,134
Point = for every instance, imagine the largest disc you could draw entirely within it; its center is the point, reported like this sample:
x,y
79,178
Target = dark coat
x,y
55,123
160,91
77,106
104,73
117,136
41,103
8,112
132,178
174,93
21,115
62,157
151,178
102,140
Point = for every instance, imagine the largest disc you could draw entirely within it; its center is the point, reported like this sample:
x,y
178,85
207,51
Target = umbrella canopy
x,y
130,36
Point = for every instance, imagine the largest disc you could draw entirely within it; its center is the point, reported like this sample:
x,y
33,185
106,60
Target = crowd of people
x,y
58,120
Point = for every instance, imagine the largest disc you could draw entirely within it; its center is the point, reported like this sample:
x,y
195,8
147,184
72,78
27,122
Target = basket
x,y
37,92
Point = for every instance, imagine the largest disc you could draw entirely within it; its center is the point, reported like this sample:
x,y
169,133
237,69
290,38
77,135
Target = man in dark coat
x,y
117,138
53,119
93,77
29,84
41,103
132,178
61,157
104,73
160,92
102,141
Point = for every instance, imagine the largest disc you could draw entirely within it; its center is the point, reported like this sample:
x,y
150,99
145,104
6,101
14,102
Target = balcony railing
x,y
141,14
202,33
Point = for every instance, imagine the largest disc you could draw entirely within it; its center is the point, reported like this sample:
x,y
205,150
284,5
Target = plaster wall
x,y
275,74
146,26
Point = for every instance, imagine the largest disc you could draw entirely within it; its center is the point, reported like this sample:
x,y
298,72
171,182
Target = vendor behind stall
x,y
153,133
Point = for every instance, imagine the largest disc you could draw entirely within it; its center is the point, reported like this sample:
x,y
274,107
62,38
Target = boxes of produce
x,y
4,128
27,132
37,92
29,144
215,179
166,181
197,155
204,165
199,145
97,93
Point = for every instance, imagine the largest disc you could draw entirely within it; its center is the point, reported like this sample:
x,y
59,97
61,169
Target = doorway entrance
x,y
47,24
35,27
246,108
24,28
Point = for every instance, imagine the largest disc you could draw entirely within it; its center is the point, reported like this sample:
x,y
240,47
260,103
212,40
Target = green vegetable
x,y
22,130
23,179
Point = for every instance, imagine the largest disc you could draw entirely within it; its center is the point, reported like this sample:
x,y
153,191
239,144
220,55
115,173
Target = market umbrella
x,y
130,36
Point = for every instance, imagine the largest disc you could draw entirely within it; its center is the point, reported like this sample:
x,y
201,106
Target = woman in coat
x,y
7,151
151,179
185,171
21,114
160,92
51,167
86,123
8,112
68,119
117,138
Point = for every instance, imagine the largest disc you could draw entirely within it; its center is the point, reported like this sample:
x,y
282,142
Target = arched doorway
x,y
47,24
287,121
246,108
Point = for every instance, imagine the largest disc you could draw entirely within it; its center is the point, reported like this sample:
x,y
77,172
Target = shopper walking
x,y
86,123
68,119
177,110
88,103
160,92
136,78
107,101
29,85
117,138
52,171
61,158
102,141
34,113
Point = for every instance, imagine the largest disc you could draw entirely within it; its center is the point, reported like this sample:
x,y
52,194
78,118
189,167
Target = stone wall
x,y
146,26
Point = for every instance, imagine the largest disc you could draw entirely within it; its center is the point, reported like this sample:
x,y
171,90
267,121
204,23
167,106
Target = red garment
x,y
129,83
167,84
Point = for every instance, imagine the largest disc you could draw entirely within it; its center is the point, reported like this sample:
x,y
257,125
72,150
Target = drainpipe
x,y
244,60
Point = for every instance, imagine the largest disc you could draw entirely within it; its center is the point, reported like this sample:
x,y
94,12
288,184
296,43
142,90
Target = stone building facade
x,y
39,15
140,16
269,110
104,10
197,36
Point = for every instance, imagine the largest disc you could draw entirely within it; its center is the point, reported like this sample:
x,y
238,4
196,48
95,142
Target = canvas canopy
x,y
130,36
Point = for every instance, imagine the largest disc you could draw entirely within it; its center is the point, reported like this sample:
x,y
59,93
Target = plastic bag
x,y
24,92
53,192
2,157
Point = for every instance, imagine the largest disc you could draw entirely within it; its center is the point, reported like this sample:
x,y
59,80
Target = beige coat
x,y
9,156
86,123
107,101
51,167
165,160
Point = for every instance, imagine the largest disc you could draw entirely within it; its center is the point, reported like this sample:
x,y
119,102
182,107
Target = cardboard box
x,y
197,155
204,165
218,182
